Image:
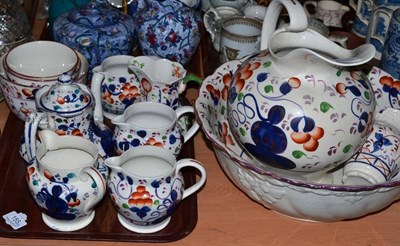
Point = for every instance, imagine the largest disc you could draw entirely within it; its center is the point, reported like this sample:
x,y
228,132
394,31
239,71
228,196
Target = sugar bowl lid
x,y
65,97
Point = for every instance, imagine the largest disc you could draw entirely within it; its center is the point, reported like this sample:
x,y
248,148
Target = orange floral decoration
x,y
153,142
308,139
128,91
140,198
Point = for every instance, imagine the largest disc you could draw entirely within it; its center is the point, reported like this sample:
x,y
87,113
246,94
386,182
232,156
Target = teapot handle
x,y
99,180
298,19
97,80
30,130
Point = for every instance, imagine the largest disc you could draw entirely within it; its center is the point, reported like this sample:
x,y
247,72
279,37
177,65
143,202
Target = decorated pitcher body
x,y
149,123
161,80
146,186
66,189
169,29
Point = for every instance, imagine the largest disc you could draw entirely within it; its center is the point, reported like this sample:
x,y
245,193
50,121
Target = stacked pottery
x,y
30,66
284,122
140,95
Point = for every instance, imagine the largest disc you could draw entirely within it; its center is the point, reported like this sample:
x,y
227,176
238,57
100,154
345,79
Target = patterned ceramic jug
x,y
300,104
66,189
169,28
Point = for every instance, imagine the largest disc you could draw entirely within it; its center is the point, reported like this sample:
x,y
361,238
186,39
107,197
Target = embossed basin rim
x,y
246,165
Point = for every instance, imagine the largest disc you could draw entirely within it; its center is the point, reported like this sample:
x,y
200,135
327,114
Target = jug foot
x,y
67,225
143,229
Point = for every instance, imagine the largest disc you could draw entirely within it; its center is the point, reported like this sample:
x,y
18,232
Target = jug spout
x,y
114,163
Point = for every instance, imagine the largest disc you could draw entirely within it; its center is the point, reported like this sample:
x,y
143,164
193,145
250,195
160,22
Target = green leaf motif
x,y
324,106
94,185
130,136
223,109
240,96
298,154
35,183
124,205
242,131
339,72
267,64
366,95
157,202
347,148
71,175
268,89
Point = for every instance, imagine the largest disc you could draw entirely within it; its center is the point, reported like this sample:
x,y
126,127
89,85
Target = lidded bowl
x,y
65,98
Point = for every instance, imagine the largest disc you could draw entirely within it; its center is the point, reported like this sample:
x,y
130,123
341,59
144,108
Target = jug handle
x,y
374,21
312,3
100,182
195,164
97,79
211,26
298,20
30,131
194,128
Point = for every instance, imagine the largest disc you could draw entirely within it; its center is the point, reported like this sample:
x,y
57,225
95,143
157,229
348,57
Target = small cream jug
x,y
66,189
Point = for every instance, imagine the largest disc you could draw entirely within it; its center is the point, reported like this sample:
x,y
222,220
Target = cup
x,y
363,10
240,36
379,158
378,27
146,186
390,60
150,123
330,12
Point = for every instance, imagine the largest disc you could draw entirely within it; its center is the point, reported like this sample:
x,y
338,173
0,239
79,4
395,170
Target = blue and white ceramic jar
x,y
97,30
169,28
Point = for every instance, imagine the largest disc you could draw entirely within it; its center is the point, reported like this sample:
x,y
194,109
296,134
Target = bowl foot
x,y
68,225
143,229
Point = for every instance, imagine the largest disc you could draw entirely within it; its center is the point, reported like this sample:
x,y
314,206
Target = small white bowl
x,y
41,60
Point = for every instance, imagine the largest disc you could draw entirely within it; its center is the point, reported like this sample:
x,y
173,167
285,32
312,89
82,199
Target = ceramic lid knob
x,y
66,97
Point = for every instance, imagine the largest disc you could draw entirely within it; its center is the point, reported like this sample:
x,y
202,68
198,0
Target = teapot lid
x,y
66,97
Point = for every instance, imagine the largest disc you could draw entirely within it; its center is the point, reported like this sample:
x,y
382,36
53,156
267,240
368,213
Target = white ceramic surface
x,y
146,185
311,201
255,11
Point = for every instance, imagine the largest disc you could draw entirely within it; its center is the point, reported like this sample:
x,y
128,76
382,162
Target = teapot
x,y
300,104
66,189
67,108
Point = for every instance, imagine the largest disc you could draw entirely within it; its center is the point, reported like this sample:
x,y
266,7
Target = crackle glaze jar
x,y
97,30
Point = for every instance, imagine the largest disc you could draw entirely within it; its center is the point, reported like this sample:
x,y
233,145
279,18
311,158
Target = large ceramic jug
x,y
64,180
169,28
301,104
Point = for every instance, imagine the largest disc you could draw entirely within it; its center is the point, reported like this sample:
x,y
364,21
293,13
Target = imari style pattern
x,y
145,201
